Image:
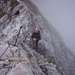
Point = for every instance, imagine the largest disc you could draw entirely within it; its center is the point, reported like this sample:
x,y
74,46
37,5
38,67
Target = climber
x,y
35,38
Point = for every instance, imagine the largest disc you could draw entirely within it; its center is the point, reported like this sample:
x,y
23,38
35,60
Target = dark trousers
x,y
35,45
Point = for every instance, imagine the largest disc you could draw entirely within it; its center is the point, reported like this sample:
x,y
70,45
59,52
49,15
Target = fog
x,y
61,15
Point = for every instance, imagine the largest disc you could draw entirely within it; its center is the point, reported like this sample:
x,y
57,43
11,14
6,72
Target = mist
x,y
61,15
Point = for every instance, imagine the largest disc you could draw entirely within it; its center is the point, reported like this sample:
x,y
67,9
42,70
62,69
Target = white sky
x,y
60,14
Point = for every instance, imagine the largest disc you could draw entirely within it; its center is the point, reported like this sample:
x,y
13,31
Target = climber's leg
x,y
36,46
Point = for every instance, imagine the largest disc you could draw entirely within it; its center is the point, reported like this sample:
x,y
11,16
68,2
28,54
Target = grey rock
x,y
3,71
6,62
54,58
1,64
19,69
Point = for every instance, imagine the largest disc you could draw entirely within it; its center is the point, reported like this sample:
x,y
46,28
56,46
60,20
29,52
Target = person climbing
x,y
35,38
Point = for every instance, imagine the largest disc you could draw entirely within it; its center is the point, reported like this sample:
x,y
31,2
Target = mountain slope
x,y
55,48
16,53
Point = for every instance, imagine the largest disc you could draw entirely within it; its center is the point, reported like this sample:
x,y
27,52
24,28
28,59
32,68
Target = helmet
x,y
36,29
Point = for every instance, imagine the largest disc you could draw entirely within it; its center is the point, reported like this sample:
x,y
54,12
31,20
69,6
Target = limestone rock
x,y
17,57
19,69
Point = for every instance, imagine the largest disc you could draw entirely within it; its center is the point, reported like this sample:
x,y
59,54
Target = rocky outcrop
x,y
25,61
16,54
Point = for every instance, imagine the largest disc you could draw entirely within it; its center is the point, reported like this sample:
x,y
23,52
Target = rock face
x,y
16,54
6,6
